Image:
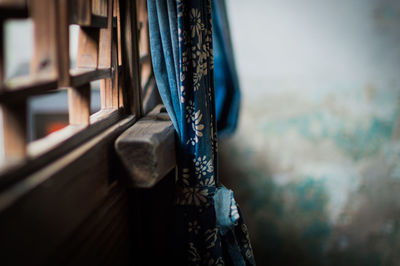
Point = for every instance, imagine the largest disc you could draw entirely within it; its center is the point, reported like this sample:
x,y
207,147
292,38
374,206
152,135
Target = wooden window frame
x,y
57,188
103,39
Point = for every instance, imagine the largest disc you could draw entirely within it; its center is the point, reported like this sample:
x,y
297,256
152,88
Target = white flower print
x,y
196,126
211,236
185,176
215,262
190,111
193,254
194,196
193,227
203,166
208,182
193,140
194,117
197,26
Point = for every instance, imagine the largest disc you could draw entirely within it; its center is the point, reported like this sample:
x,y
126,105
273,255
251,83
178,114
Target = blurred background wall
x,y
315,162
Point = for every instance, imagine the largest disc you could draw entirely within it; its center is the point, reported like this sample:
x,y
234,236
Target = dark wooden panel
x,y
42,212
105,234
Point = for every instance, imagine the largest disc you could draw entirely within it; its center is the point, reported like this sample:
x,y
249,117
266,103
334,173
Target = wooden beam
x,y
82,76
79,105
147,149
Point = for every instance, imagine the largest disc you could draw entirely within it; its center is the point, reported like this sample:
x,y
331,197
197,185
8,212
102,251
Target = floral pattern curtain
x,y
209,226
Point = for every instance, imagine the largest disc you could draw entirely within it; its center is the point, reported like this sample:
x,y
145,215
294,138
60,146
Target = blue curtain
x,y
209,227
227,92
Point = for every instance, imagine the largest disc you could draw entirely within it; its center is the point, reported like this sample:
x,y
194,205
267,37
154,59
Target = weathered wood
x,y
15,125
147,149
79,105
88,48
40,214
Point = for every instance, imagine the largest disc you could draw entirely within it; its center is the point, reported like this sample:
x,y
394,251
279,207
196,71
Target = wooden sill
x,y
147,149
44,151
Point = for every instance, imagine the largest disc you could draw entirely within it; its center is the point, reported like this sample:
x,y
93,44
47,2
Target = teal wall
x,y
315,163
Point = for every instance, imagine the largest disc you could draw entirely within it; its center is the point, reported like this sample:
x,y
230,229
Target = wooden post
x,y
119,73
79,105
45,23
88,48
2,59
63,63
14,126
106,93
105,40
100,7
84,12
106,58
131,58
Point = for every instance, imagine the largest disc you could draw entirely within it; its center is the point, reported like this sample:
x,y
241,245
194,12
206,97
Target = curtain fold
x,y
209,227
227,89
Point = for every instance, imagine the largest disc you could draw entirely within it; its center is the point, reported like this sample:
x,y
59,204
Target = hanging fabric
x,y
227,92
209,226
